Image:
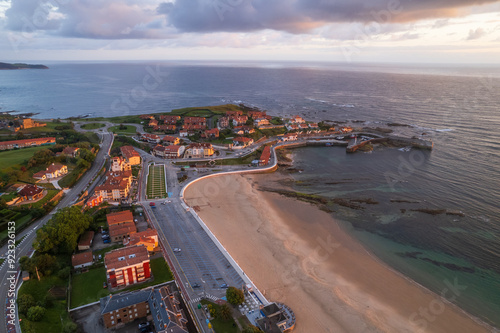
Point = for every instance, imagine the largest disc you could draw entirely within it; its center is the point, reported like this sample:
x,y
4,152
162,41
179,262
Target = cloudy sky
x,y
429,31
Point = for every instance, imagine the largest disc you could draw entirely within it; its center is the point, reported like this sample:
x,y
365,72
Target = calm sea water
x,y
457,108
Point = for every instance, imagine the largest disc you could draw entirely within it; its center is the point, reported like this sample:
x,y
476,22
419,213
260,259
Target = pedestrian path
x,y
207,296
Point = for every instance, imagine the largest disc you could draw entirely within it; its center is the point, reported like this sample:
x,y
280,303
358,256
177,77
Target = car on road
x,y
177,250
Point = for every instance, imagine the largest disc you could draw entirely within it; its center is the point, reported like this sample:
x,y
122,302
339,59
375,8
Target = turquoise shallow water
x,y
433,250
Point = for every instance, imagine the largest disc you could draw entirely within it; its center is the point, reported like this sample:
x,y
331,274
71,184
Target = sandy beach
x,y
298,255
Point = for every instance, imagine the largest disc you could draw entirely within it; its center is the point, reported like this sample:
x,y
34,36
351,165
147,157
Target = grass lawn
x,y
15,157
156,182
19,223
116,120
242,160
50,195
128,130
51,322
219,325
50,128
87,287
205,111
91,126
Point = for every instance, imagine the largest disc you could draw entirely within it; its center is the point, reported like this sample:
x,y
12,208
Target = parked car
x,y
107,240
100,256
144,327
224,286
176,249
104,285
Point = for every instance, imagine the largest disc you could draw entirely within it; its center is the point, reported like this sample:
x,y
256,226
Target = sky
x,y
385,31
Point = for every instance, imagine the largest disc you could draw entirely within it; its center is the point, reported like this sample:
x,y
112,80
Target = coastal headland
x,y
299,255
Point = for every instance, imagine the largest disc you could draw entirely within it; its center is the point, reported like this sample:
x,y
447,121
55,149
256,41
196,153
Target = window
x,y
136,314
112,322
132,255
121,258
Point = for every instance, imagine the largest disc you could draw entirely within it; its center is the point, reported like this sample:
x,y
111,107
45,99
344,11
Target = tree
x,y
36,313
60,234
251,329
235,296
24,302
63,274
45,263
69,327
224,312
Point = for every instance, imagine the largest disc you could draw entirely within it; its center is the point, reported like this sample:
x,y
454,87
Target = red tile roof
x,y
119,230
119,217
82,258
30,190
127,256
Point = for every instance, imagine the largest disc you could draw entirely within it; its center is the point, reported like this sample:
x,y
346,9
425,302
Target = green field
x,y
55,315
15,157
116,120
92,126
156,182
129,129
87,287
206,111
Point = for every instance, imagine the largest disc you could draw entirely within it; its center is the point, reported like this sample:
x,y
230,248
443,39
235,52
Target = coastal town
x,y
130,251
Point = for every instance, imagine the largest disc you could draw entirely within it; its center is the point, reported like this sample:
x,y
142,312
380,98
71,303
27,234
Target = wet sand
x,y
298,255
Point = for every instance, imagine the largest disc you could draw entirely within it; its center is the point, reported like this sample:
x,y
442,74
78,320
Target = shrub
x,y
36,313
24,302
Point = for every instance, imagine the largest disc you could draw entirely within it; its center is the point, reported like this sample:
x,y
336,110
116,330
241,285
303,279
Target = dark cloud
x,y
301,16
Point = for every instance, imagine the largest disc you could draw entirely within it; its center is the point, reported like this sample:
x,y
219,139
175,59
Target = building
x,y
199,150
261,122
211,133
313,125
160,304
242,141
234,113
289,137
292,127
94,201
223,122
174,151
240,120
183,133
116,187
26,123
146,116
257,114
148,238
126,266
16,144
265,157
153,123
119,164
240,130
297,120
195,121
346,129
166,128
119,232
277,318
151,138
170,120
30,192
86,240
70,151
54,170
171,140
131,155
82,260
119,217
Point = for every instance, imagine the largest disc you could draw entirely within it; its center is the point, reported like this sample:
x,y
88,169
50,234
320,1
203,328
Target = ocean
x,y
455,107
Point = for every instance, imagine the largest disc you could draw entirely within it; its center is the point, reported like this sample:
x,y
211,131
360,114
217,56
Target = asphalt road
x,y
25,247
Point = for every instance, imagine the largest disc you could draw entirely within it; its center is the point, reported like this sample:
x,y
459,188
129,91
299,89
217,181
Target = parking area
x,y
203,264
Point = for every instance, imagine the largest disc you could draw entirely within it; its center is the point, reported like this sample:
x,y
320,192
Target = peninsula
x,y
4,65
